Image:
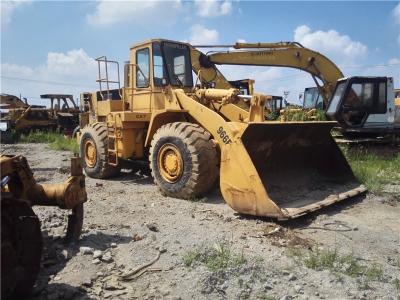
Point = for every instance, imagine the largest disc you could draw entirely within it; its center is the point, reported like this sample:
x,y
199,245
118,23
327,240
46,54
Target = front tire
x,y
183,160
93,148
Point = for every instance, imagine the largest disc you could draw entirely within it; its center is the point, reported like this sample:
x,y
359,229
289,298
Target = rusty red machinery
x,y
21,238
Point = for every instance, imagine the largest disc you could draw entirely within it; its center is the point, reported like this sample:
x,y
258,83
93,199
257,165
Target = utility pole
x,y
286,94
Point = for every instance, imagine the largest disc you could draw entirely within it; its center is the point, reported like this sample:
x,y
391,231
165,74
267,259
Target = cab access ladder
x,y
112,149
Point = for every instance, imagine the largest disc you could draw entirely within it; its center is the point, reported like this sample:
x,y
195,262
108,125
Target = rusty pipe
x,y
65,195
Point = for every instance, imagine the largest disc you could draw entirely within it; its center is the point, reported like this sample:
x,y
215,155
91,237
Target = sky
x,y
50,46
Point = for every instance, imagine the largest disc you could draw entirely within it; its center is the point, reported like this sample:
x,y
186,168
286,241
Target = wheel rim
x,y
170,163
90,153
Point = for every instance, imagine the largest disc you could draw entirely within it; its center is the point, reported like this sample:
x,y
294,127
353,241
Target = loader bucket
x,y
298,169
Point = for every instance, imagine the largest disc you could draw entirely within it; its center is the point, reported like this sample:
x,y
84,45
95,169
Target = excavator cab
x,y
357,100
312,98
246,86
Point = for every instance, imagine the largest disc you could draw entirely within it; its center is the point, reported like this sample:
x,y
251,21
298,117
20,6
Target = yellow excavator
x,y
362,106
282,54
193,134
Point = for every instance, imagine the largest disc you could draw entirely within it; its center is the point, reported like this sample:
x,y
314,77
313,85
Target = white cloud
x,y
13,69
226,8
330,43
154,12
70,63
140,12
8,8
68,73
202,35
396,13
213,8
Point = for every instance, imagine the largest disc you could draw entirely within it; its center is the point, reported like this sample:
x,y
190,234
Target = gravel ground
x,y
129,224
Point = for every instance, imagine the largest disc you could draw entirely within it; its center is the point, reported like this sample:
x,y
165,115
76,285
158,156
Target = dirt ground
x,y
128,224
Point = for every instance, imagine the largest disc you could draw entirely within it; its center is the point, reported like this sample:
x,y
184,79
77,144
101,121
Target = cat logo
x,y
140,116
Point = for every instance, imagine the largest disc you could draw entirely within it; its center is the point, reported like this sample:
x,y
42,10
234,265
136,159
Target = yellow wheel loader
x,y
191,133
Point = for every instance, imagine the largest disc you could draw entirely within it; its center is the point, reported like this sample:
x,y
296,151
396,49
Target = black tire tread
x,y
21,248
98,131
203,155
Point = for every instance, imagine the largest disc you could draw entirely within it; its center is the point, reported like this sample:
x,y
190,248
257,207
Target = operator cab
x,y
357,99
152,66
313,99
158,63
245,86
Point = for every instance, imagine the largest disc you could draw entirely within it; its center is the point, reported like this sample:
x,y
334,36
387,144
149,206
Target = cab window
x,y
367,95
178,64
333,104
360,95
382,106
158,65
142,69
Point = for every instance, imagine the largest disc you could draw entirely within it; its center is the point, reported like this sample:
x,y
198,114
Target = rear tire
x,y
183,160
93,148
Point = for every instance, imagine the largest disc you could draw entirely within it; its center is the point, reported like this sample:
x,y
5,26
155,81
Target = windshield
x,y
336,97
158,65
360,94
308,98
320,102
312,98
177,61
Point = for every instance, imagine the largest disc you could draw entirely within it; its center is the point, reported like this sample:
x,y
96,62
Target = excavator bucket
x,y
285,170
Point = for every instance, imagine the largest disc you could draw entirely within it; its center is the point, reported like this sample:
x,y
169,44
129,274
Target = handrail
x,y
103,59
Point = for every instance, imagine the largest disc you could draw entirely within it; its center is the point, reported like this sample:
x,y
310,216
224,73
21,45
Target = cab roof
x,y
149,41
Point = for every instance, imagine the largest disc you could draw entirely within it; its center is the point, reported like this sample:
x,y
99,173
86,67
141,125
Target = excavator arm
x,y
207,72
282,54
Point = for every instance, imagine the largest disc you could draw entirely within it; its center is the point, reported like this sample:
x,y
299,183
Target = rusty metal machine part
x,y
21,236
21,248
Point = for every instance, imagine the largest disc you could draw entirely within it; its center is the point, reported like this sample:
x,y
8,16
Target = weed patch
x,y
292,114
218,257
56,141
374,171
337,264
227,268
396,284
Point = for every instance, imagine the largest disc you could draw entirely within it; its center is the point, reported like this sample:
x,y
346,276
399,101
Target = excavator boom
x,y
282,54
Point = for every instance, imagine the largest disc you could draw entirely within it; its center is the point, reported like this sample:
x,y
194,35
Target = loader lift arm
x,y
282,54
